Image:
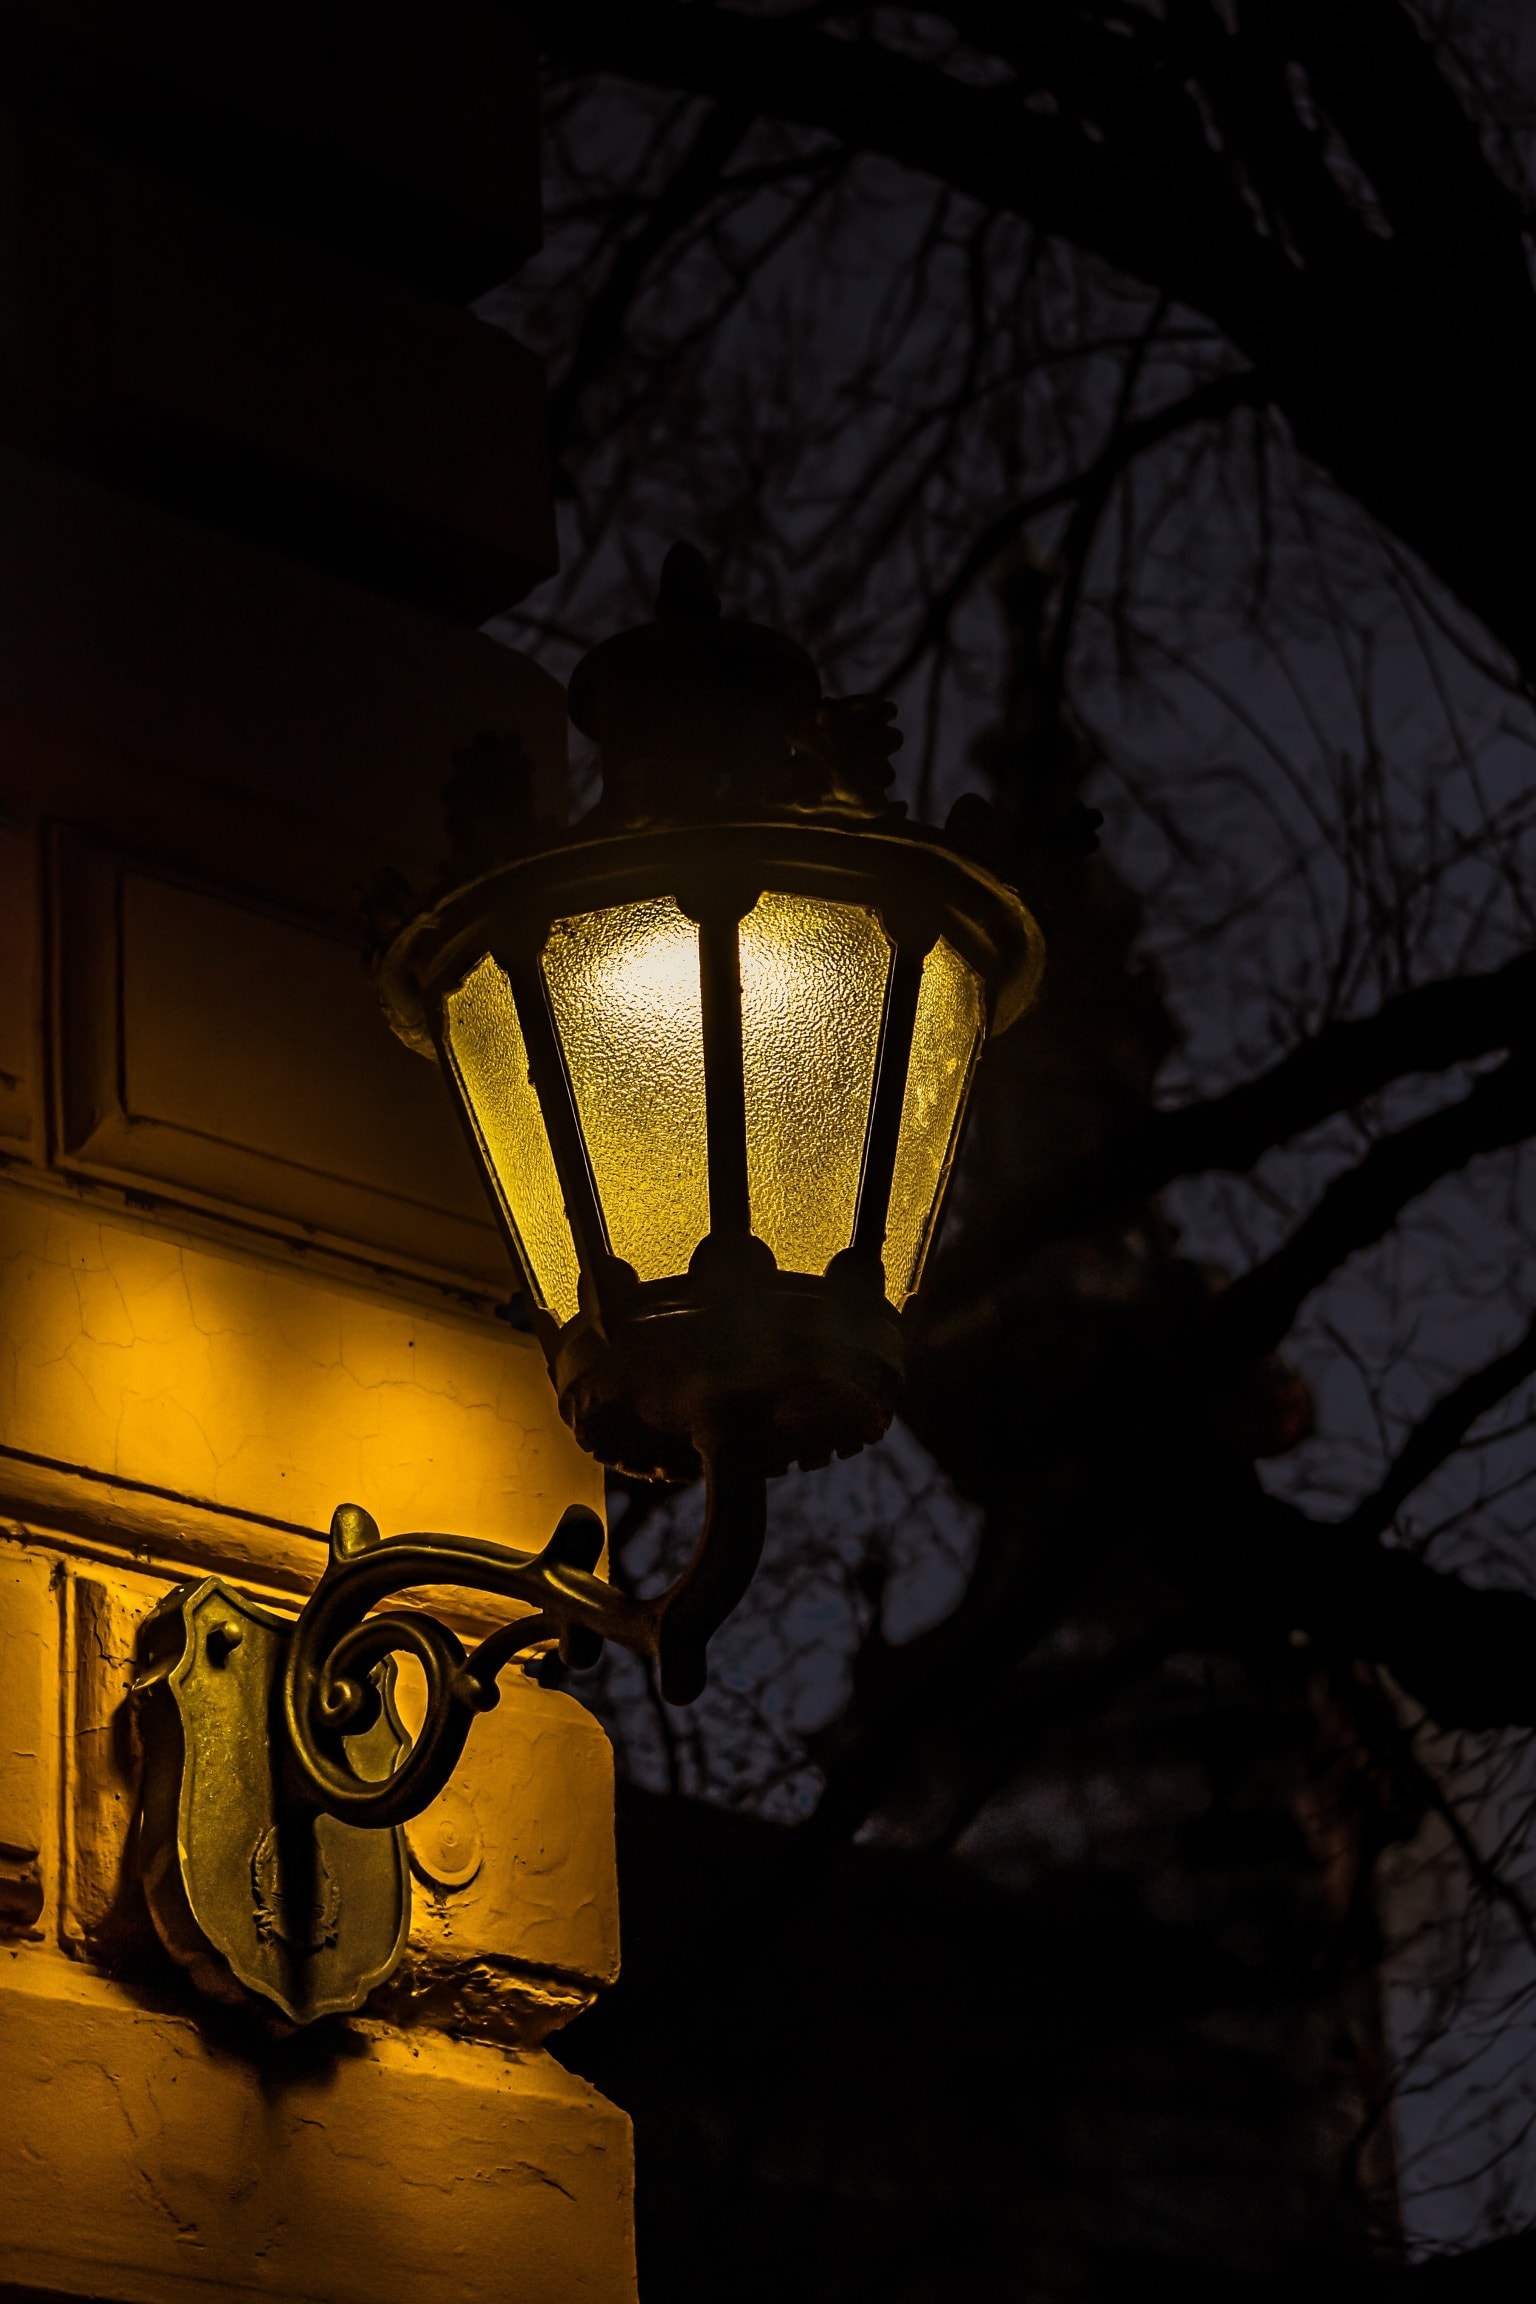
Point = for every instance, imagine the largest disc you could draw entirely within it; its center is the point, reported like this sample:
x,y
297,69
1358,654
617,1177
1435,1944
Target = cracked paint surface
x,y
411,2169
263,1390
525,1944
150,2151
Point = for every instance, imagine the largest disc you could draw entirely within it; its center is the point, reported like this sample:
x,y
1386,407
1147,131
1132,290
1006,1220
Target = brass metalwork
x,y
254,1893
330,1693
645,1364
278,1776
726,778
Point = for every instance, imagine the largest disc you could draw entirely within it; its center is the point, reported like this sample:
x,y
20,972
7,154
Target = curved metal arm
x,y
329,1693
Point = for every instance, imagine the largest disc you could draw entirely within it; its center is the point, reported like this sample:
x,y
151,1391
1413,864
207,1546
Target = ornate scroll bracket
x,y
278,1774
330,1694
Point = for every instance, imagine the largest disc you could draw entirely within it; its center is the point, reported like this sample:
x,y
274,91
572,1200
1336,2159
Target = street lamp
x,y
712,1049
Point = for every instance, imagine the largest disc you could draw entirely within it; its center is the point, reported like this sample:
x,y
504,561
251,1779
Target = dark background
x,y
1101,1856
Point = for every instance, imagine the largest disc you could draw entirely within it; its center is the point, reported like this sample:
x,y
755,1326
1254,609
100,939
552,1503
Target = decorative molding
x,y
126,1526
95,1518
101,1913
27,1643
218,1052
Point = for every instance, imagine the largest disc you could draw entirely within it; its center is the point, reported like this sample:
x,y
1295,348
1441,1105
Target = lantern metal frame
x,y
726,777
642,1368
734,1366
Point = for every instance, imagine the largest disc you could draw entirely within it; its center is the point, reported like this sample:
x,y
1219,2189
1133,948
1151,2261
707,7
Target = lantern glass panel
x,y
813,984
490,1064
624,988
945,1039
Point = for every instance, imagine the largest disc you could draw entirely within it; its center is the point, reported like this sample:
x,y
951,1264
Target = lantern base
x,y
820,1359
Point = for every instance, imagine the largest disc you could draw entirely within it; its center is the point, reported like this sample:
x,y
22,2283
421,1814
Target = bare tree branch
x,y
1440,1433
602,335
985,141
1426,424
1487,1876
1427,1029
1467,1655
1208,403
1359,1207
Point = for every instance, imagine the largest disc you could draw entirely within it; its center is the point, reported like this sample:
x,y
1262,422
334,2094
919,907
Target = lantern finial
x,y
697,714
686,593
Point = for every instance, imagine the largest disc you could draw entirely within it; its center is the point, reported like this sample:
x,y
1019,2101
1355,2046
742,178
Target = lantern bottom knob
x,y
818,1360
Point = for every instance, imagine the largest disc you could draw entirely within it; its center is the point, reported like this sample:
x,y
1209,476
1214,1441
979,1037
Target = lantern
x,y
713,1050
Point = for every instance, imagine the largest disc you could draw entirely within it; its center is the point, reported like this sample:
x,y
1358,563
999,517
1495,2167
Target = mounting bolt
x,y
222,1637
445,1843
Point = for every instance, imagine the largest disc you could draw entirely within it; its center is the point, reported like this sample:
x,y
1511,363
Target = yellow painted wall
x,y
266,1391
221,1315
145,2158
172,1405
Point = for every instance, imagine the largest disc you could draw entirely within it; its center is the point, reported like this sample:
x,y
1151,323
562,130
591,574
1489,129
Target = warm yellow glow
x,y
624,987
200,1372
490,1063
945,1039
116,2118
813,978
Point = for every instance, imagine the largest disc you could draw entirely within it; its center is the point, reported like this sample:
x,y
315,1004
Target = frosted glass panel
x,y
490,1064
624,987
945,1039
813,978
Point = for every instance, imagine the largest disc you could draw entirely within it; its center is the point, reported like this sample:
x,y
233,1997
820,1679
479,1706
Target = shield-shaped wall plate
x,y
250,1891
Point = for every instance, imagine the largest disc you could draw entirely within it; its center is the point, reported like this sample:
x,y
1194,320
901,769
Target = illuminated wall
x,y
247,1270
198,1361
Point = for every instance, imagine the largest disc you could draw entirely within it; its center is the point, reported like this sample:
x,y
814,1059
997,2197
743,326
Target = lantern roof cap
x,y
701,719
905,872
701,715
692,677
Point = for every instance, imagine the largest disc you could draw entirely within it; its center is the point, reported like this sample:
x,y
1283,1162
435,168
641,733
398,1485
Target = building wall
x,y
261,475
